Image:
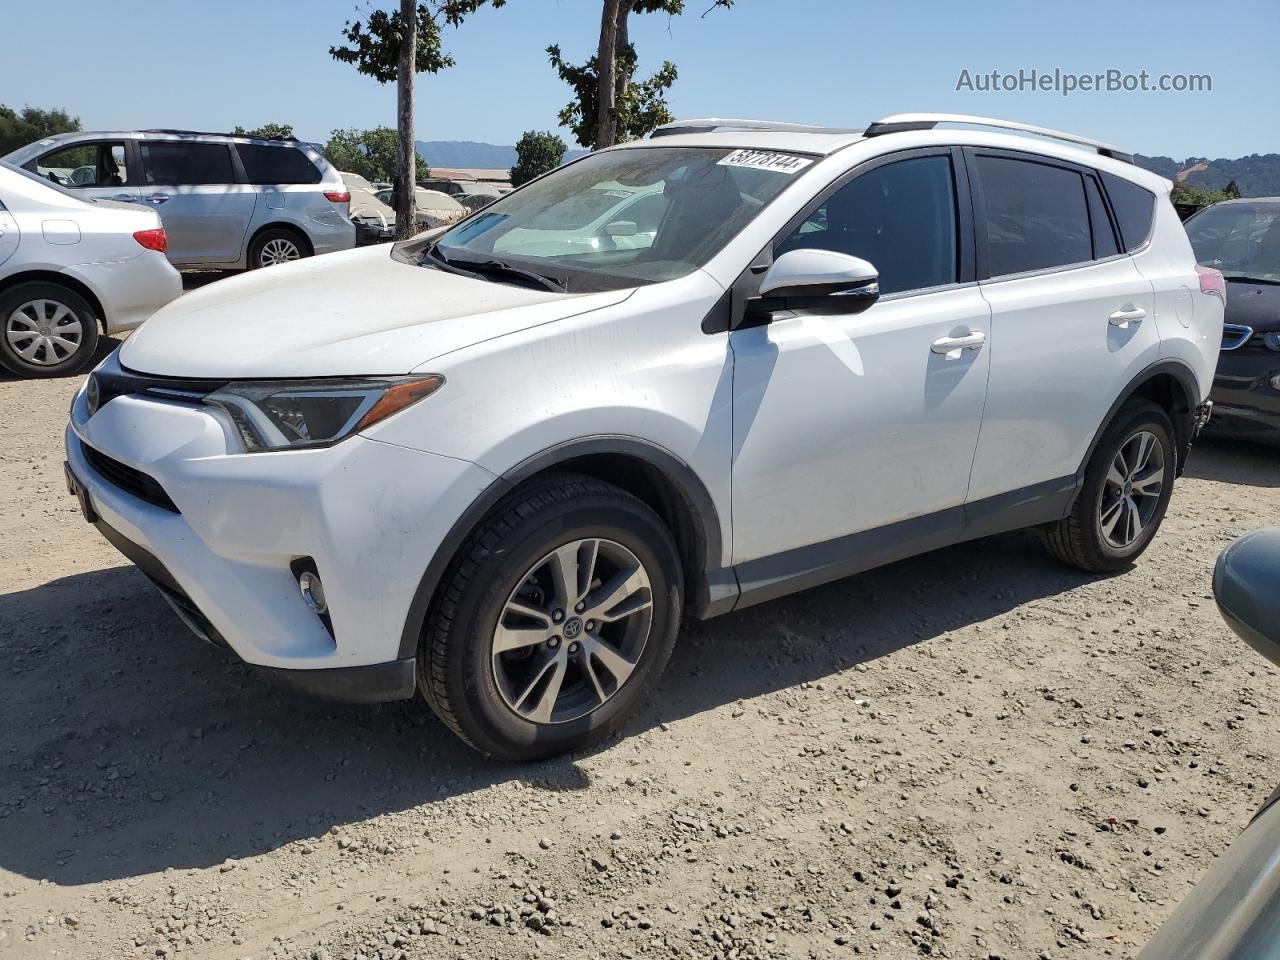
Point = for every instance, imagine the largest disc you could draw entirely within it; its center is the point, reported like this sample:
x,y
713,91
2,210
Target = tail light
x,y
337,196
153,239
1212,282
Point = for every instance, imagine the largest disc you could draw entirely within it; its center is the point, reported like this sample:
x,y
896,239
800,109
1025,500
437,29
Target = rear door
x,y
1071,317
95,169
192,185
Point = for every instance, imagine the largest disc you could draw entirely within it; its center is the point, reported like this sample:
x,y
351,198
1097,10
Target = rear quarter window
x,y
265,164
1134,207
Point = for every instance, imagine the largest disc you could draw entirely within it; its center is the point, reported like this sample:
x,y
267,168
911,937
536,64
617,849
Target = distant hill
x,y
470,154
1257,175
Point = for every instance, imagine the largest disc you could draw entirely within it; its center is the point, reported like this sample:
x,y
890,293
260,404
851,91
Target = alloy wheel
x,y
1132,489
572,632
278,250
43,332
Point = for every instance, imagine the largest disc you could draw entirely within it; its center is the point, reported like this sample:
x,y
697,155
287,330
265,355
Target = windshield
x,y
621,218
1242,240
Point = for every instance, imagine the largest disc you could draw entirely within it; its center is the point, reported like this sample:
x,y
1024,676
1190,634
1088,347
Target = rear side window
x,y
1104,237
177,164
276,165
1036,217
1135,208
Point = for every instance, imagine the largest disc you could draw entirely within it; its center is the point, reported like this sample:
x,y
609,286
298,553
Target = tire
x,y
62,326
510,558
1099,533
277,245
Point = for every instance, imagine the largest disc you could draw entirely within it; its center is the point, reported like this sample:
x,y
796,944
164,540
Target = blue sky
x,y
211,65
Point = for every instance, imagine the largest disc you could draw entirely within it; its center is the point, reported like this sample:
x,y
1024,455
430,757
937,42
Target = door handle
x,y
952,346
1129,315
157,198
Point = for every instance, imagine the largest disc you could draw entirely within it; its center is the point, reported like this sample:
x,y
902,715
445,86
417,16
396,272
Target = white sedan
x,y
71,268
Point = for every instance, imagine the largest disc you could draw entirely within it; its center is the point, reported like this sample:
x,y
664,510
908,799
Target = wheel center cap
x,y
572,627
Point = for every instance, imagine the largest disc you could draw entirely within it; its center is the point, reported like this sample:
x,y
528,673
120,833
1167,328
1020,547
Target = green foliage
x,y
1192,196
19,129
370,153
641,106
268,131
373,45
536,153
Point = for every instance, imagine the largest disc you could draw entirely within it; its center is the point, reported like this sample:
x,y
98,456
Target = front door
x,y
846,423
192,185
94,169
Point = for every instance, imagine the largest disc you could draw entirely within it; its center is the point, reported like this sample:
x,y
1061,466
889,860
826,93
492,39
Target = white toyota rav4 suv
x,y
501,474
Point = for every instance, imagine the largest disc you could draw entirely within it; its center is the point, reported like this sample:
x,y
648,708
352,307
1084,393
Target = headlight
x,y
293,414
1272,340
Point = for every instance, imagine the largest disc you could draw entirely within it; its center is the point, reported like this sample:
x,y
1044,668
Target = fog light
x,y
312,592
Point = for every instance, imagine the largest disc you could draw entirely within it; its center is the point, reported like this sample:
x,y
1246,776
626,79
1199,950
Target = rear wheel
x,y
560,613
276,246
1127,487
48,330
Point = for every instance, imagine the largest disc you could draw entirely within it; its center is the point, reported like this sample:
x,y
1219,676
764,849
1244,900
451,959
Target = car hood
x,y
344,314
1254,305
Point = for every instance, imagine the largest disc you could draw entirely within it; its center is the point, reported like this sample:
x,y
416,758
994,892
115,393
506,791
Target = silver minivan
x,y
226,202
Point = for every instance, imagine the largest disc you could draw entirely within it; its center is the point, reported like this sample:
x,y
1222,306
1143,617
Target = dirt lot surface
x,y
977,753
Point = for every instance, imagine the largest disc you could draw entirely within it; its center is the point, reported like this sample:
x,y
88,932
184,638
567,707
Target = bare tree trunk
x,y
606,76
406,153
622,39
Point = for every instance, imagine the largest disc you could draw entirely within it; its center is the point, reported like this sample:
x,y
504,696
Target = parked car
x,y
69,269
434,209
227,202
472,194
1233,913
375,221
1242,239
507,484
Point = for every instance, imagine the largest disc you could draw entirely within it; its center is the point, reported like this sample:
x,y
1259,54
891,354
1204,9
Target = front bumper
x,y
1246,399
368,514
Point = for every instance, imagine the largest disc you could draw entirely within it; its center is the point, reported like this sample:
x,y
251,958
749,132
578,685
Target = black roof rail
x,y
212,133
903,122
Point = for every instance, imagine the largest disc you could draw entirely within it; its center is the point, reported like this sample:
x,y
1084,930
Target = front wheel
x,y
1127,486
559,614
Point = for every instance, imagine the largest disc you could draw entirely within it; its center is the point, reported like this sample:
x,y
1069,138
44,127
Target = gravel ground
x,y
972,754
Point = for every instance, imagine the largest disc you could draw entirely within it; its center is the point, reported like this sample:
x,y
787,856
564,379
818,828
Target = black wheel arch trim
x,y
1186,379
716,589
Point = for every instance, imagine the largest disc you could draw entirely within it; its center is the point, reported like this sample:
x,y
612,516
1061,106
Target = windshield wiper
x,y
1242,278
496,268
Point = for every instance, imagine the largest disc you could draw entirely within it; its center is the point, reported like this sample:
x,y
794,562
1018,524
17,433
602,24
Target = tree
x,y
1232,190
374,154
536,153
396,46
609,105
268,131
1191,196
19,129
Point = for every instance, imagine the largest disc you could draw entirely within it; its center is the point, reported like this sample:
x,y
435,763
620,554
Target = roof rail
x,y
210,133
901,122
719,124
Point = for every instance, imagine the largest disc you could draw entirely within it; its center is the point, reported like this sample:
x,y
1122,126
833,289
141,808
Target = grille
x,y
1235,335
128,479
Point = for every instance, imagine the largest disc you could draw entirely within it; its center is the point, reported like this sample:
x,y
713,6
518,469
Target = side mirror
x,y
621,228
820,279
1246,584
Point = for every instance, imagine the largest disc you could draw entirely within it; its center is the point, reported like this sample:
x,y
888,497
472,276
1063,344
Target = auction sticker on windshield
x,y
764,160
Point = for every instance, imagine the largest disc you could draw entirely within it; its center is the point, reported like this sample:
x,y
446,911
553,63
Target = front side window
x,y
582,224
1240,239
181,164
1036,217
901,217
97,164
